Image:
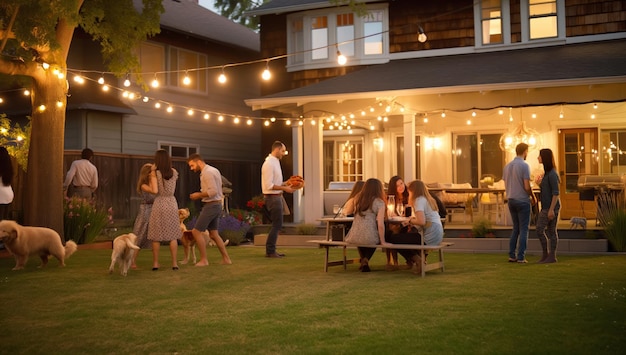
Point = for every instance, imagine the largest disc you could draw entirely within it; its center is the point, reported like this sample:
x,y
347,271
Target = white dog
x,y
187,239
124,248
22,241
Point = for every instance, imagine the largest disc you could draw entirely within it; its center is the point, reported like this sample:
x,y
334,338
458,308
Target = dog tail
x,y
131,245
70,248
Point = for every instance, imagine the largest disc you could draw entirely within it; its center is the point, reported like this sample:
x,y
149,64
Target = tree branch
x,y
9,28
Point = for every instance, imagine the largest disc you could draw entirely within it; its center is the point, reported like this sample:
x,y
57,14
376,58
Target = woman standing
x,y
550,206
426,215
163,225
368,226
140,229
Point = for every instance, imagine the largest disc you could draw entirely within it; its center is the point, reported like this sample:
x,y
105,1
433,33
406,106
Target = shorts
x,y
209,217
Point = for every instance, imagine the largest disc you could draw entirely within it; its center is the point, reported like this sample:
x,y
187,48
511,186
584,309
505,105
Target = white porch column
x,y
408,126
308,203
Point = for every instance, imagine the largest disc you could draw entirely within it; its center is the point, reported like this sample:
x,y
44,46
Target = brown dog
x,y
187,239
124,248
22,241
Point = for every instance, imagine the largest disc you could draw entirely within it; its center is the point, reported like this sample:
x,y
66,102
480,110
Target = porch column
x,y
308,202
408,126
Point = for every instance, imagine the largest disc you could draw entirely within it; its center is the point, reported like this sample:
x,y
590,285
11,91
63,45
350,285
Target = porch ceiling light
x,y
521,134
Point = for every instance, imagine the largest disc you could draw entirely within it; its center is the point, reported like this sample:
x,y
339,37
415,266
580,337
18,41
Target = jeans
x,y
520,214
274,205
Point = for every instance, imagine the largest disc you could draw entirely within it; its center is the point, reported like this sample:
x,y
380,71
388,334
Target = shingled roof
x,y
188,17
583,63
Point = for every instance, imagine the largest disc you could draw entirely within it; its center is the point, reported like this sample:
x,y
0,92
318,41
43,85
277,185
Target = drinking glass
x,y
400,209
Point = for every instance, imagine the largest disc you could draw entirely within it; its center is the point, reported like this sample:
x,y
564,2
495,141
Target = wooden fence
x,y
118,174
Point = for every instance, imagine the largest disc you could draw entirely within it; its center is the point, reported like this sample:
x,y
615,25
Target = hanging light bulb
x,y
267,75
155,82
341,59
45,65
421,37
249,122
443,114
222,77
206,116
127,81
105,87
186,79
101,79
169,109
190,112
220,118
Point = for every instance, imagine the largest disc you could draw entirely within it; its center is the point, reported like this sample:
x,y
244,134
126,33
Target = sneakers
x,y
512,260
523,261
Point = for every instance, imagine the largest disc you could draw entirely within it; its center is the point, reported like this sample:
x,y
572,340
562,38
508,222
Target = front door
x,y
578,156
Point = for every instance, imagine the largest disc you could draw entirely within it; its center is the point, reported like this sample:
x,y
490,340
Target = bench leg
x,y
326,259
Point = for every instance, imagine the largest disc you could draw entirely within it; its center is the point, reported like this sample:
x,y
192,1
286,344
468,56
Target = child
x,y
140,229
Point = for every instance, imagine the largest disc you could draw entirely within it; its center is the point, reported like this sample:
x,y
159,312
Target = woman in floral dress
x,y
164,225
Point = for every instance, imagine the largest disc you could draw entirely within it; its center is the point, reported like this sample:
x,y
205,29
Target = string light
x,y
341,59
222,78
421,37
155,82
127,81
266,75
186,79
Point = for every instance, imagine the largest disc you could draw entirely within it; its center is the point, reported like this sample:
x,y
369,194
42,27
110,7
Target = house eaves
x,y
276,7
566,65
187,17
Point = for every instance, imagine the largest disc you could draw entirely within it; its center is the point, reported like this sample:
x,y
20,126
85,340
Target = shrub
x,y
233,229
615,230
482,228
306,229
83,221
251,217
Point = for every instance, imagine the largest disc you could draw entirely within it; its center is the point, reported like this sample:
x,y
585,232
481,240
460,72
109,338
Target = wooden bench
x,y
327,244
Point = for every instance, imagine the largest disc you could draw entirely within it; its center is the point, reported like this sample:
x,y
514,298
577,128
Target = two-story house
x,y
440,91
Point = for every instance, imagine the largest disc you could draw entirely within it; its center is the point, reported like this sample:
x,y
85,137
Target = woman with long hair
x,y
425,215
550,206
349,205
163,225
368,226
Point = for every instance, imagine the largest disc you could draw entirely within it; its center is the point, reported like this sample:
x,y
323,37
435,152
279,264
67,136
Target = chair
x,y
489,204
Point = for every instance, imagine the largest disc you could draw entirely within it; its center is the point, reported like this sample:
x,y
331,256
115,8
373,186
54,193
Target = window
x,y
157,59
314,37
613,153
475,155
319,37
533,20
343,159
179,150
491,20
542,19
180,61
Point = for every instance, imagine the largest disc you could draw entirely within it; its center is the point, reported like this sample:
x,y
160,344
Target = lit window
x,y
491,19
372,31
542,19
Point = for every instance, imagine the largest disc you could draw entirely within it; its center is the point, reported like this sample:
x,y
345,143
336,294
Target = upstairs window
x,y
491,21
314,37
542,21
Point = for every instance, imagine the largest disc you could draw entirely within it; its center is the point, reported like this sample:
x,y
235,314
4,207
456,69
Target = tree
x,y
235,9
35,40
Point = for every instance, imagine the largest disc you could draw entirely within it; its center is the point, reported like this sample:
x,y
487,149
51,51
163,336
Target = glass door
x,y
578,156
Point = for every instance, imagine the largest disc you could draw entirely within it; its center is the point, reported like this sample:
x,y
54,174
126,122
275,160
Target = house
x,y
127,124
439,91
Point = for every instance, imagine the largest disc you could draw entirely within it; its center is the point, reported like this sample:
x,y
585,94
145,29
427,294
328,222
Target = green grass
x,y
480,305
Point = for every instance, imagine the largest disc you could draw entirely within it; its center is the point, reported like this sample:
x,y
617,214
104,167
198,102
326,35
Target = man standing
x,y
516,176
273,186
82,178
212,196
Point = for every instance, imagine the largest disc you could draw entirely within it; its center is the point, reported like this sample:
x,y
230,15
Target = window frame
x,y
524,24
169,145
296,61
337,171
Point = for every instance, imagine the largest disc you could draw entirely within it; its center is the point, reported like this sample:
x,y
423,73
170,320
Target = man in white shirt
x,y
82,177
273,186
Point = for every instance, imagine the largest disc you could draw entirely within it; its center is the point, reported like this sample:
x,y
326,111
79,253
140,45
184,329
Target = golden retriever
x,y
22,241
187,239
124,248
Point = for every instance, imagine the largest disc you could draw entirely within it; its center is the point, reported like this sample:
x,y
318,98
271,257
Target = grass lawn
x,y
481,304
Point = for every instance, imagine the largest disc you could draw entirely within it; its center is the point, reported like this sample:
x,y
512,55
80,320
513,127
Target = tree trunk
x,y
43,203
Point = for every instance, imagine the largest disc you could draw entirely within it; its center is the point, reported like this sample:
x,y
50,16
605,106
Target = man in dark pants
x,y
273,187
